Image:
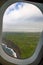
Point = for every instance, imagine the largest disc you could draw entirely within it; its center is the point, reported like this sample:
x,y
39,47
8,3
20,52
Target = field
x,y
26,42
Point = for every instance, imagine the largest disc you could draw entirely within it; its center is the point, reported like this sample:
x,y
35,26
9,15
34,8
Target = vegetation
x,y
27,42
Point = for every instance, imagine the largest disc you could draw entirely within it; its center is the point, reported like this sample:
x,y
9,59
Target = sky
x,y
22,17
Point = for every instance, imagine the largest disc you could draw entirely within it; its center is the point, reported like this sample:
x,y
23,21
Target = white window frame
x,y
36,57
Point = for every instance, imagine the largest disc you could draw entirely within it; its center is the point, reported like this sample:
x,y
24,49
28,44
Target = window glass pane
x,y
22,27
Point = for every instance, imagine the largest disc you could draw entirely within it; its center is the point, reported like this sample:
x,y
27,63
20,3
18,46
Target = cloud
x,y
36,18
13,7
27,18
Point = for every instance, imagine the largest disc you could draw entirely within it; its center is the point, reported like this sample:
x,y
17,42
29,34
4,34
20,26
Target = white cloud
x,y
23,19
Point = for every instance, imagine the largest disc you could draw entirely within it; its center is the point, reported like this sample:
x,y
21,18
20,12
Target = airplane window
x,y
22,27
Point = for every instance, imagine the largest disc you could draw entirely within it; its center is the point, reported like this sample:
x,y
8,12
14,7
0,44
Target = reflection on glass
x,y
22,26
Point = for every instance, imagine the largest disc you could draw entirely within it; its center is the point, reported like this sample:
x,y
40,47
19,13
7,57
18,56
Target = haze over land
x,y
22,17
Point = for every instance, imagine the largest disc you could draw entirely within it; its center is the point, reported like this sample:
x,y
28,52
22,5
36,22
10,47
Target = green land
x,y
26,42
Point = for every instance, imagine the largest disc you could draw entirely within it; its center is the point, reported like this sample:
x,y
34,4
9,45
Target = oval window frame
x,y
34,60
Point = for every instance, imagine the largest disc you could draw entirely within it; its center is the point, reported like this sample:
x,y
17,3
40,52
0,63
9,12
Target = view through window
x,y
22,27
